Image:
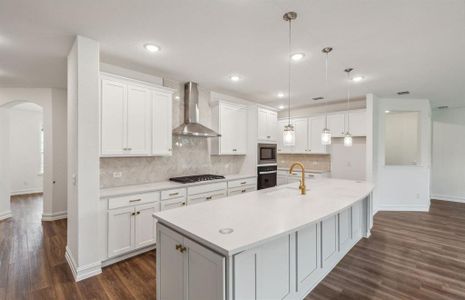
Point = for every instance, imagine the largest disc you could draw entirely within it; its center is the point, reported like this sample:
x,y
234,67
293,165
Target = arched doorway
x,y
25,153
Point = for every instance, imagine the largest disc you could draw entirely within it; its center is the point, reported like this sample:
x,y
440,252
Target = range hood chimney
x,y
191,126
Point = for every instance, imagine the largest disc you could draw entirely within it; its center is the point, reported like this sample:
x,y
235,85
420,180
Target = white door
x,y
262,125
241,132
272,124
161,124
145,224
315,127
120,230
171,265
113,118
336,124
204,266
301,135
138,121
358,122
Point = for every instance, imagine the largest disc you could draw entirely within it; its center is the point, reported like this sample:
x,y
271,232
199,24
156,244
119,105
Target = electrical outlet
x,y
117,174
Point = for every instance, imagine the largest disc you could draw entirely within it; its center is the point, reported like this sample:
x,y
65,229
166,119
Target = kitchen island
x,y
269,244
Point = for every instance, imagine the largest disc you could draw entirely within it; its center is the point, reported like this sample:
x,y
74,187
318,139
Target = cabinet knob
x,y
133,214
181,248
138,212
209,198
243,191
184,203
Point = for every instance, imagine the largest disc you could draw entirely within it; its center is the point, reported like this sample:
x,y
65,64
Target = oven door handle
x,y
267,172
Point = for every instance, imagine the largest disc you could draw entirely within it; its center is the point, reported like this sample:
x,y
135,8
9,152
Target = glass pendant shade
x,y
348,139
289,135
326,137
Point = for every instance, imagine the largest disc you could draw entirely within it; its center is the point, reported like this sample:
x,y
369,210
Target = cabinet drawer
x,y
206,188
173,203
242,182
171,194
241,190
194,199
135,199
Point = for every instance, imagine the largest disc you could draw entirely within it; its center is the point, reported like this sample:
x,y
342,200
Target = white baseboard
x,y
116,259
26,192
420,208
54,216
83,272
5,215
448,198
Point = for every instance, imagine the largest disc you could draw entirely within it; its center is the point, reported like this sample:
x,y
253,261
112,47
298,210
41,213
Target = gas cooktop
x,y
196,178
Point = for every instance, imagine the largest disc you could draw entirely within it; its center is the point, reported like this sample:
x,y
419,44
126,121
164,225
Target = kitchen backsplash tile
x,y
320,162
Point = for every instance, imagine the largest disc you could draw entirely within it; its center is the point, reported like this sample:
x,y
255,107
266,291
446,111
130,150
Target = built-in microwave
x,y
266,154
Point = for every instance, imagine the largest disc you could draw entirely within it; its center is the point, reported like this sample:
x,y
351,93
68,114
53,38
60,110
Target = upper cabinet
x,y
358,122
135,118
307,136
230,120
336,123
267,125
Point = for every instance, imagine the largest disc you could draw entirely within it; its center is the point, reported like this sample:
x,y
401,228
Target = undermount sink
x,y
285,191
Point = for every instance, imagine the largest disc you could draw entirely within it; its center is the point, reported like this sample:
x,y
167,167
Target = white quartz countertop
x,y
161,185
259,216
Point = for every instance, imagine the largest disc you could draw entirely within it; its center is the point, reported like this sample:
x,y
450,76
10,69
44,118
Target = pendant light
x,y
326,133
289,131
347,136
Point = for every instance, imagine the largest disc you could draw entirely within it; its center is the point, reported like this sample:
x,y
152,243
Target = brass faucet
x,y
302,187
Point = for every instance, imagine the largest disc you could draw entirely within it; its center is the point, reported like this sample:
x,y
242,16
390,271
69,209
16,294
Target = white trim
x,y
26,192
83,272
451,198
420,208
116,259
54,216
5,215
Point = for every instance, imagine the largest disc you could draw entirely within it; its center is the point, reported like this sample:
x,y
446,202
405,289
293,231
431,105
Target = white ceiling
x,y
415,45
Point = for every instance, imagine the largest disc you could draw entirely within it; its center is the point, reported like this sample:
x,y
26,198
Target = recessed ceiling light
x,y
403,93
280,95
387,111
281,107
297,56
358,78
234,78
152,48
318,98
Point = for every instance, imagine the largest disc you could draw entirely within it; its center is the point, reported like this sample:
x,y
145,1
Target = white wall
x,y
348,162
401,138
5,211
401,187
82,251
25,155
448,171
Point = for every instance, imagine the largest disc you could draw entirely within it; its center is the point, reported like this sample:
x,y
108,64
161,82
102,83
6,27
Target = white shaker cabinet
x,y
138,121
267,125
358,122
184,266
161,123
120,231
336,123
230,120
315,127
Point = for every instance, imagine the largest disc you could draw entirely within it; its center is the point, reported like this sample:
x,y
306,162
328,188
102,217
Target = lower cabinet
x,y
131,227
184,267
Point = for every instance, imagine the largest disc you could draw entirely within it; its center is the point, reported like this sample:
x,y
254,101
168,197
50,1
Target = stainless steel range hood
x,y
191,126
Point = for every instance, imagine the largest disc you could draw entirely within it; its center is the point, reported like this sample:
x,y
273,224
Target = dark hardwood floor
x,y
409,256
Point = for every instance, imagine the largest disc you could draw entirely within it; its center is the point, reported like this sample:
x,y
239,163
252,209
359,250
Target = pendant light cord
x,y
327,90
348,101
289,74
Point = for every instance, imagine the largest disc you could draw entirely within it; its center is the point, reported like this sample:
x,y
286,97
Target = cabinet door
x,y
279,134
301,135
120,231
204,266
358,122
172,279
263,124
272,124
227,129
308,255
336,123
329,247
113,118
315,127
241,132
138,121
161,124
145,224
345,229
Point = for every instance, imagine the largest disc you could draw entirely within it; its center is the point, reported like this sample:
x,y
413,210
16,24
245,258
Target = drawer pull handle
x,y
243,182
243,191
174,194
135,200
209,197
